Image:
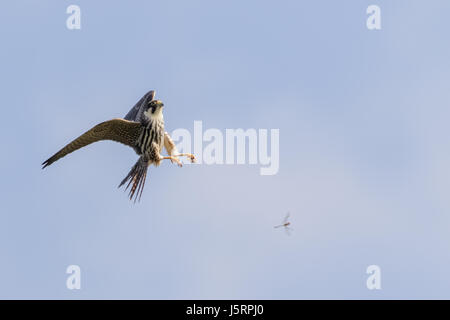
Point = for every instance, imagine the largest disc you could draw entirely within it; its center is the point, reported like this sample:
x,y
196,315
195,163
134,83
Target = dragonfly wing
x,y
286,218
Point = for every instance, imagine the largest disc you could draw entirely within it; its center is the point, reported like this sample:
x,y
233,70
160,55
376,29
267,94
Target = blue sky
x,y
364,150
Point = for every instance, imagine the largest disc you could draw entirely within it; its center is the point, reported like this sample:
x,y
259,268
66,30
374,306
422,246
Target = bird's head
x,y
153,110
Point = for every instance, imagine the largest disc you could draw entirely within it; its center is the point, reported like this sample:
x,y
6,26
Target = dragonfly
x,y
286,225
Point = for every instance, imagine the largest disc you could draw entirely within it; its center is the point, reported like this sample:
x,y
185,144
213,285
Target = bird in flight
x,y
285,224
143,130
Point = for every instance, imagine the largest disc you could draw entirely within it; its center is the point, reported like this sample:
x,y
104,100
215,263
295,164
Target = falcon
x,y
143,130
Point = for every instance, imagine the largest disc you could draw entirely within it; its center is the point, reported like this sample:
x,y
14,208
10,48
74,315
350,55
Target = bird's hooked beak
x,y
160,103
158,109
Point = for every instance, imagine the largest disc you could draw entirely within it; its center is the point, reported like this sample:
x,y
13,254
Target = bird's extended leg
x,y
174,158
189,155
171,158
172,149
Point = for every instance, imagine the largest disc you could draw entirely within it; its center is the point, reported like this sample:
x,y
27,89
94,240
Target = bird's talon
x,y
178,162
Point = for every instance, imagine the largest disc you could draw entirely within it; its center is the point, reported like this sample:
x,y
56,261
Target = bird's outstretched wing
x,y
120,130
135,113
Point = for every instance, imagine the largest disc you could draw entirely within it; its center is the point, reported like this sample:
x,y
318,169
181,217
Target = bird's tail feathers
x,y
136,177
